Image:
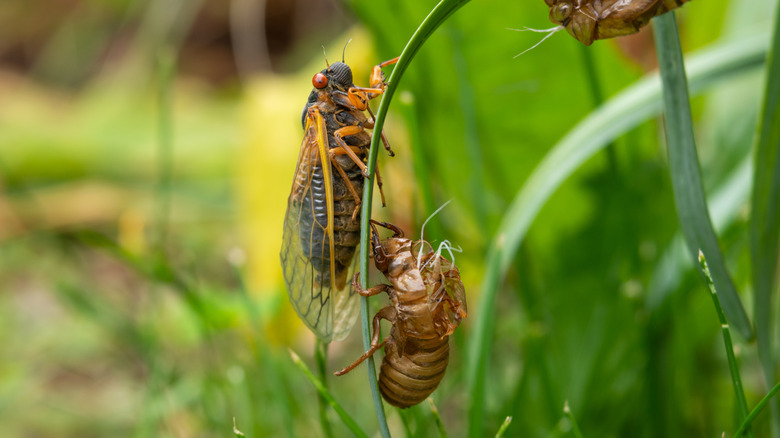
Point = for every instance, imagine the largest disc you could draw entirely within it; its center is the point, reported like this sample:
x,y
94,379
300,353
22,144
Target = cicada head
x,y
568,13
337,76
387,254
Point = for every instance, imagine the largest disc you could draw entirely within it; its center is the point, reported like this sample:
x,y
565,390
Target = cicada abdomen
x,y
321,230
590,20
428,303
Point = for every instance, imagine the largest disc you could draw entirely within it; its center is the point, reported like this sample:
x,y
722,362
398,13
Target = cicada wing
x,y
307,242
455,289
445,288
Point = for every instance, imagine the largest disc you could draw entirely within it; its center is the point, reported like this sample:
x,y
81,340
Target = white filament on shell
x,y
422,231
550,32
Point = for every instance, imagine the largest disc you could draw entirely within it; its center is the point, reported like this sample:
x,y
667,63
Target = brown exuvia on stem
x,y
428,303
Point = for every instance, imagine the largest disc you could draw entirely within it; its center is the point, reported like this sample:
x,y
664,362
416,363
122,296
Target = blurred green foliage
x,y
106,332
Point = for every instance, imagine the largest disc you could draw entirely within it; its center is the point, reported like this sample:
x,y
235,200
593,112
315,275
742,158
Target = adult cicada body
x,y
428,303
321,230
591,20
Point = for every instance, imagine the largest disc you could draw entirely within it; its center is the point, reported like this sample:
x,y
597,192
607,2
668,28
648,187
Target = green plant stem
x,y
504,427
345,418
438,15
765,216
759,407
622,112
688,190
733,367
575,428
321,356
437,419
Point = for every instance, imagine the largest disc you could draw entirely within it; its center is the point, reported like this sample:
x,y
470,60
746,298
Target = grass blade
x,y
674,261
618,115
685,173
237,432
575,428
438,15
757,410
345,418
321,356
437,419
765,214
504,427
724,326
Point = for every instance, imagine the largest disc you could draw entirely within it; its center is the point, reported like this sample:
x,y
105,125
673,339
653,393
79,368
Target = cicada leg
x,y
387,313
398,232
344,132
345,149
370,125
376,290
359,96
377,77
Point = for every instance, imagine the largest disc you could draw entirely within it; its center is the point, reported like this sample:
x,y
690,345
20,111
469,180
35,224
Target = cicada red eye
x,y
319,80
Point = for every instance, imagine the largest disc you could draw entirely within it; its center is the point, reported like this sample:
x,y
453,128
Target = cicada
x,y
428,303
321,230
591,20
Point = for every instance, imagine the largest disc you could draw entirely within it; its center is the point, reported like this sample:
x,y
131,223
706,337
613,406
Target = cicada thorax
x,y
590,20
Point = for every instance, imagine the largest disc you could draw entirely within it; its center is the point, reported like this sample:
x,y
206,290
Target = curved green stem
x,y
438,15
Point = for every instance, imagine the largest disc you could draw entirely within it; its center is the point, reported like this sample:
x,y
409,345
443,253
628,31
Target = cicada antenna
x,y
327,64
344,51
550,32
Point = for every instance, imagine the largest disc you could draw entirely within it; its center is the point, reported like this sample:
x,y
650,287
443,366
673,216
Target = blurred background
x,y
146,154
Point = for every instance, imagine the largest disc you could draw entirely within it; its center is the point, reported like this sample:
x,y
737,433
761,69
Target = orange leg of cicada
x,y
351,189
387,313
370,125
359,96
377,78
345,149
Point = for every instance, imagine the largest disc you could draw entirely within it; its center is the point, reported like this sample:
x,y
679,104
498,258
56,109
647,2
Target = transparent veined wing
x,y
317,290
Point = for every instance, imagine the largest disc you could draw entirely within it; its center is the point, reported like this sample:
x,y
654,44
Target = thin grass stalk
x,y
736,380
687,185
437,419
757,410
575,428
237,432
343,415
619,114
765,216
438,15
321,357
406,422
504,427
